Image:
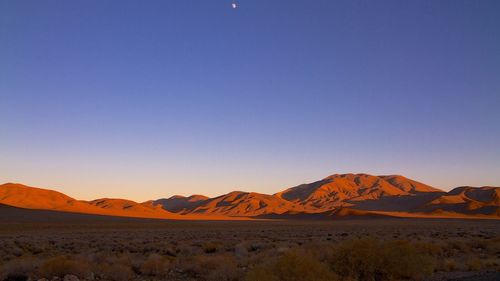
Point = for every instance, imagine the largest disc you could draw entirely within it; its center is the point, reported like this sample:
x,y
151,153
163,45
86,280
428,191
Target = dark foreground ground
x,y
99,248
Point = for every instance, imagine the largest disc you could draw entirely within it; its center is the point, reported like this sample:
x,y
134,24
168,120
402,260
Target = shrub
x,y
356,259
61,266
215,267
432,249
209,247
18,270
371,260
155,265
403,260
492,263
459,246
292,266
240,251
117,272
492,246
474,264
227,270
447,265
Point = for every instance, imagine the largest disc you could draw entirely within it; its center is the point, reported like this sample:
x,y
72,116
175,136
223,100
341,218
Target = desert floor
x,y
83,247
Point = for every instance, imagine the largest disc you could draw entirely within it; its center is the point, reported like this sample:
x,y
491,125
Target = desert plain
x,y
47,245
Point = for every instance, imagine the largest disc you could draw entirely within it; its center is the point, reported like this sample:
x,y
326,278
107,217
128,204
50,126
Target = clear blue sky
x,y
146,99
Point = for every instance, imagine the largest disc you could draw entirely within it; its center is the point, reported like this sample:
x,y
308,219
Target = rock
x,y
282,250
90,276
71,278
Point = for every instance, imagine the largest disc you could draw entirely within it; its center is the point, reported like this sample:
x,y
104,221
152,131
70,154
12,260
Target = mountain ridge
x,y
335,196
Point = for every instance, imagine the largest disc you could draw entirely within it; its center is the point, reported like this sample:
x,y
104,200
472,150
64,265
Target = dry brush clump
x,y
116,272
358,259
295,265
18,269
61,266
372,260
212,267
156,266
210,247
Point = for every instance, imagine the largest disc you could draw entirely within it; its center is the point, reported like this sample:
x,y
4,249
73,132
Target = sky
x,y
147,99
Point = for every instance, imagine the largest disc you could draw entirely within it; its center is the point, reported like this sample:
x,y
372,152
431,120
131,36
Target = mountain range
x,y
336,196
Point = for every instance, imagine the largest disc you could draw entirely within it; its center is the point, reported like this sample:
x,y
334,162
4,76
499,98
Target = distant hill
x,y
239,203
467,200
336,196
22,196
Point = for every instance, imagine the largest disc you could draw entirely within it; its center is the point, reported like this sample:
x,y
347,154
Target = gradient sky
x,y
146,99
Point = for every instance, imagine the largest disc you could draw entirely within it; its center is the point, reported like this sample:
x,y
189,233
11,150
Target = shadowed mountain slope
x,y
119,205
181,204
15,215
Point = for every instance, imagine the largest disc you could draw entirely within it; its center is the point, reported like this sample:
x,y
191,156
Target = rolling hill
x,y
22,196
